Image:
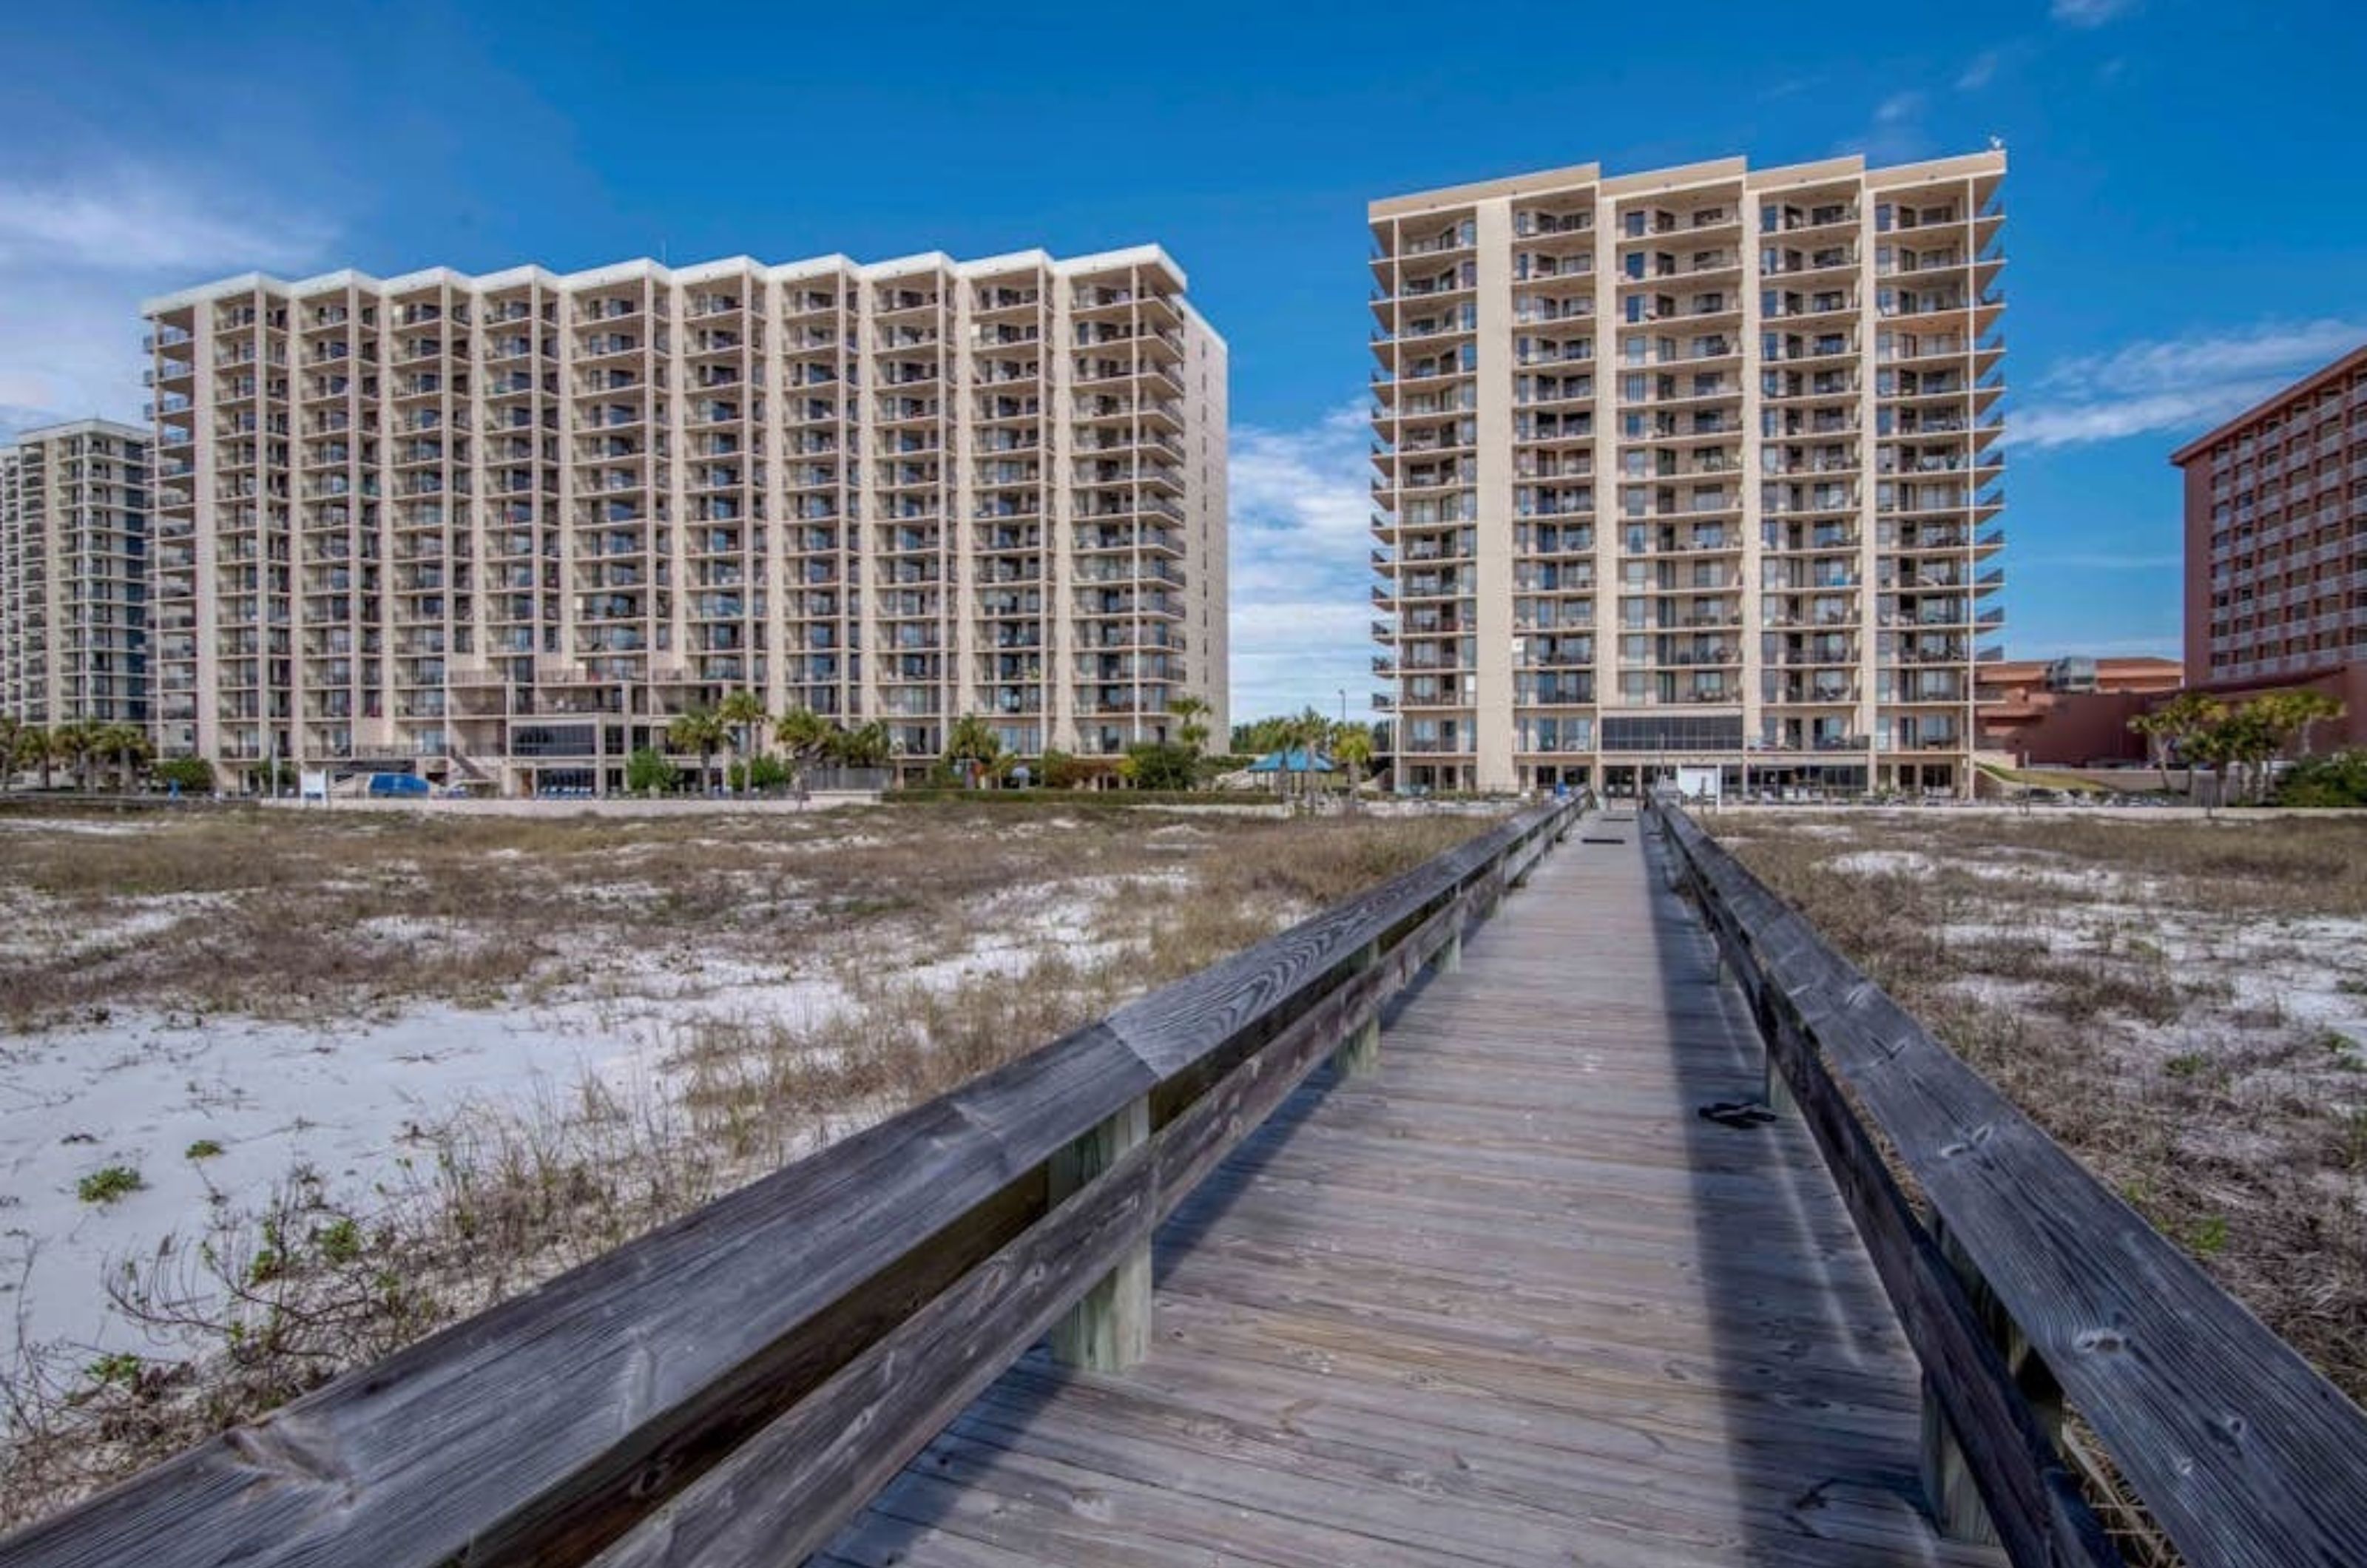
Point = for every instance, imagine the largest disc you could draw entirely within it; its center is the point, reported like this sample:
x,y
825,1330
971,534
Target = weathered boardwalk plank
x,y
1507,1300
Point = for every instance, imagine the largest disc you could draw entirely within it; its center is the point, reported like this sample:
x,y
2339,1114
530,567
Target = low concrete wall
x,y
589,805
1993,809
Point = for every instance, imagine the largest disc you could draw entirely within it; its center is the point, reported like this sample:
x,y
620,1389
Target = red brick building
x,y
2072,712
2276,546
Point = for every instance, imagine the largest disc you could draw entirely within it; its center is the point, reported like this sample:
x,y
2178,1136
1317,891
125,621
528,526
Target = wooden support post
x,y
1450,957
1955,1500
1109,1330
1948,1482
1777,1095
2031,1377
1359,1055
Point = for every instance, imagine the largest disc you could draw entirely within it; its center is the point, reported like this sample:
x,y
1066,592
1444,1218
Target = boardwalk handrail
x,y
733,1386
2035,1285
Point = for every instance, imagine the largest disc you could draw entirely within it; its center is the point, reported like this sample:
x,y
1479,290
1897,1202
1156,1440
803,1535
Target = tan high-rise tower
x,y
1696,467
504,526
74,575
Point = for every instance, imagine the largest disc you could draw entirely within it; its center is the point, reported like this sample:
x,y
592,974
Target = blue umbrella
x,y
1292,762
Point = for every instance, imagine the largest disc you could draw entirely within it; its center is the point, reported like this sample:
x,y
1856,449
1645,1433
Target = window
x,y
1670,732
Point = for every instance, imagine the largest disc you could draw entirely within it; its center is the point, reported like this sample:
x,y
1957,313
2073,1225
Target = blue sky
x,y
2185,218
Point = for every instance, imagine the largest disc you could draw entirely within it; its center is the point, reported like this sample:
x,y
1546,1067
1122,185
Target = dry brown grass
x,y
319,917
2179,1003
265,1304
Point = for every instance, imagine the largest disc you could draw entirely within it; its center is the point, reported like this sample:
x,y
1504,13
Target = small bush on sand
x,y
106,1185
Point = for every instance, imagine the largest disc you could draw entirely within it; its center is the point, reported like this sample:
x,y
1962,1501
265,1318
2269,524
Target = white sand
x,y
140,1091
137,1088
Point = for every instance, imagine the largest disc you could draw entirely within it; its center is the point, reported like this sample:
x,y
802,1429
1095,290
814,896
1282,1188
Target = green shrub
x,y
1059,769
107,1185
1152,764
2209,1237
204,1149
340,1241
119,1369
761,773
194,774
2338,778
646,771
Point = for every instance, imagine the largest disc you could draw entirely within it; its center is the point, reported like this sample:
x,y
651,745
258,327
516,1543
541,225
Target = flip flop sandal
x,y
1736,1113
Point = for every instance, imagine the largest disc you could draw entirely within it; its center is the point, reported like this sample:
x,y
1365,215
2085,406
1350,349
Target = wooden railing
x,y
2027,1286
730,1389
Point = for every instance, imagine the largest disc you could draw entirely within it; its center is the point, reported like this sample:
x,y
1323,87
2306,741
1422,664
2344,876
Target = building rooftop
x,y
701,272
1989,163
92,427
2309,383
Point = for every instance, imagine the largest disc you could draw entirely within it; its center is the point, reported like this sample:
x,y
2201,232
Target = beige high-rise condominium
x,y
502,527
74,575
1694,468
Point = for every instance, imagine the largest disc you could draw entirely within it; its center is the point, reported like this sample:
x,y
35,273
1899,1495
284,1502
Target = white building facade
x,y
74,575
503,527
1698,467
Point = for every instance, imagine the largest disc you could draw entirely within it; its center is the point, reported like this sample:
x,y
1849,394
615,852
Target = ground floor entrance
x,y
1763,777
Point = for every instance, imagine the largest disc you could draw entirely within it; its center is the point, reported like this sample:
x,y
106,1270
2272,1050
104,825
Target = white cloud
x,y
1299,574
1979,72
2080,424
2089,13
78,254
135,218
1897,132
2101,561
2150,366
2174,384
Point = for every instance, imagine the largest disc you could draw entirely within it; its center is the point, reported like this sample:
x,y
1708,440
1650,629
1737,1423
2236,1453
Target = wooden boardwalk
x,y
1509,1302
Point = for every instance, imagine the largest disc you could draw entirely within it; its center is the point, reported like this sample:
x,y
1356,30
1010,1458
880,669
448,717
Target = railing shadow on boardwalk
x,y
1202,1212
1787,1253
1708,1317
1022,1402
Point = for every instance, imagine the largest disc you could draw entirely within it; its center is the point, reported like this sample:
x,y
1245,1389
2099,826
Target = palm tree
x,y
1352,747
62,744
698,730
2155,730
34,748
2295,713
1189,712
77,744
2219,744
806,735
972,740
2175,726
865,746
743,710
2275,720
1307,733
128,745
